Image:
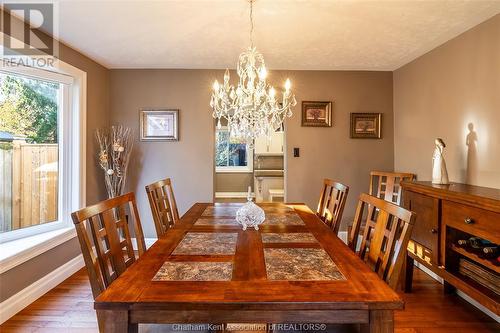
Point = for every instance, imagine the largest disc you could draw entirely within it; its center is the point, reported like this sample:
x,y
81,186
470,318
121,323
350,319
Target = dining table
x,y
207,269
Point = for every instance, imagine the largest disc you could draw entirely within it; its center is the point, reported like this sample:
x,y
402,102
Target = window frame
x,y
72,152
234,169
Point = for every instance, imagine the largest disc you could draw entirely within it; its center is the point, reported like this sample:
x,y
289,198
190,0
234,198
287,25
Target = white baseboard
x,y
31,293
460,293
479,306
232,195
428,272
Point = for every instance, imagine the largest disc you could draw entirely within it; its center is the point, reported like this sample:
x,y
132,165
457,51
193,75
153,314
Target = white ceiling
x,y
327,34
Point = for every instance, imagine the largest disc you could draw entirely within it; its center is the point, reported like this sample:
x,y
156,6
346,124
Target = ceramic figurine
x,y
439,172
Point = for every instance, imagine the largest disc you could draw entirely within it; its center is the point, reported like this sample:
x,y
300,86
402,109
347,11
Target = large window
x,y
231,154
39,147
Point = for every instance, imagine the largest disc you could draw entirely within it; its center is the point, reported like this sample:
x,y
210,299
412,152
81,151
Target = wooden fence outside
x,y
5,189
29,185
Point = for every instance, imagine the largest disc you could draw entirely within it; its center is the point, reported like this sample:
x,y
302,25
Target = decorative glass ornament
x,y
250,215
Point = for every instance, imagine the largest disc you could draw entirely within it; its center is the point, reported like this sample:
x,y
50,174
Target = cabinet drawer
x,y
474,221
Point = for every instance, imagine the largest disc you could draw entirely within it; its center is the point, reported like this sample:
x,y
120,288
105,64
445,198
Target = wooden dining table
x,y
206,269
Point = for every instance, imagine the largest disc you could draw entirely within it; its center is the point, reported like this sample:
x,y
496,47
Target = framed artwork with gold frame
x,y
366,125
316,114
159,124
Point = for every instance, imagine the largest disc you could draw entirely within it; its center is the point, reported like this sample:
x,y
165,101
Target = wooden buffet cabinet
x,y
446,213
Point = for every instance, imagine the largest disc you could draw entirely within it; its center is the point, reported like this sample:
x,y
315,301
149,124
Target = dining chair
x,y
331,203
387,185
385,237
163,205
110,252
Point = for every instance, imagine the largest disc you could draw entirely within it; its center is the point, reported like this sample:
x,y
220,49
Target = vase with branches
x,y
115,146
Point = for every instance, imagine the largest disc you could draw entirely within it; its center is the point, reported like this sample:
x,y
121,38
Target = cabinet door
x,y
426,227
260,146
276,144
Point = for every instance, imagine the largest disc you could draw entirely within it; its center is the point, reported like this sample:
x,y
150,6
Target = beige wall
x,y
325,152
233,182
328,151
23,275
97,115
441,94
189,161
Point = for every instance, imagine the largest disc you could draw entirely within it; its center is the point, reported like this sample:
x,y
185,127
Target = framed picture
x,y
366,125
159,124
317,114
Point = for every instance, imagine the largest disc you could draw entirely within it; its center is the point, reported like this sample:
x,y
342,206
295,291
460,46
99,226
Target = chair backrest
x,y
163,206
386,185
107,222
385,237
331,203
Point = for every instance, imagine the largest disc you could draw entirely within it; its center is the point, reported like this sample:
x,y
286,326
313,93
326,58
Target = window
x,y
231,154
40,154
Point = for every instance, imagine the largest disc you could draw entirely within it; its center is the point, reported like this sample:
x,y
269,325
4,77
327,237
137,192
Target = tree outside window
x,y
28,108
230,152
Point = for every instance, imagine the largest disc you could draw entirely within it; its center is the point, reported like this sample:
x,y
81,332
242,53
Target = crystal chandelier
x,y
251,109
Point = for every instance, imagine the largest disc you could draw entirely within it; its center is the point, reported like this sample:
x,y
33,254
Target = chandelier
x,y
252,109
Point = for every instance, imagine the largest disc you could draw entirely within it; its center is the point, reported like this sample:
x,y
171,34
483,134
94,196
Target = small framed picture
x,y
159,124
317,114
366,125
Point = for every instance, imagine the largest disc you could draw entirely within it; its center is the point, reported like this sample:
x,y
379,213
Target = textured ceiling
x,y
328,34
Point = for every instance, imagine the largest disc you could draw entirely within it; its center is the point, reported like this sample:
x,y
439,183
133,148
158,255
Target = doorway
x,y
239,167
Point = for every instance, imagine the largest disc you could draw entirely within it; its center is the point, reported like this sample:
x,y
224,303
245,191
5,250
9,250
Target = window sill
x,y
18,251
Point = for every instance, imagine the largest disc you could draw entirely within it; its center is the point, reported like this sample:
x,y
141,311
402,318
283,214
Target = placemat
x,y
300,264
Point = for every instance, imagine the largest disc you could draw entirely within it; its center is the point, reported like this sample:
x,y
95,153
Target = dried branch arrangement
x,y
115,146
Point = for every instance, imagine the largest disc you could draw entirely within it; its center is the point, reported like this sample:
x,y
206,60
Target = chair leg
x,y
408,274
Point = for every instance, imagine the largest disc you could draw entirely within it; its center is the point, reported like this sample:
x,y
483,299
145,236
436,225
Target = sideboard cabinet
x,y
445,215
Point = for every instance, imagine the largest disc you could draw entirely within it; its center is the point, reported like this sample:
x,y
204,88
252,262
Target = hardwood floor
x,y
68,308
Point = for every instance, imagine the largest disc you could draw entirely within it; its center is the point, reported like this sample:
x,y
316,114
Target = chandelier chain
x,y
251,22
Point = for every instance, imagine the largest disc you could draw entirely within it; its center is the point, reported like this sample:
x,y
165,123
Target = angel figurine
x,y
439,172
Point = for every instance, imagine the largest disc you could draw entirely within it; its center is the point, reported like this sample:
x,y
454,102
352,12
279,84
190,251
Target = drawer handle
x,y
468,220
434,231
